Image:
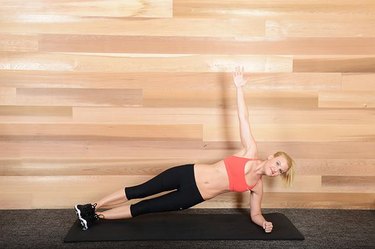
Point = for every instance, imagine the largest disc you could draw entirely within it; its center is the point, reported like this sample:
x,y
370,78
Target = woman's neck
x,y
259,167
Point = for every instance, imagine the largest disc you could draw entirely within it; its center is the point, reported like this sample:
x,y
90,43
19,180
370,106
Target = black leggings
x,y
180,179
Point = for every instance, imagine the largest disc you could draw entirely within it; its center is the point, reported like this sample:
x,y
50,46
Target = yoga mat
x,y
171,226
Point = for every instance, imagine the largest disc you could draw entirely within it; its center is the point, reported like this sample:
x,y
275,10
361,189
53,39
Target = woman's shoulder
x,y
251,154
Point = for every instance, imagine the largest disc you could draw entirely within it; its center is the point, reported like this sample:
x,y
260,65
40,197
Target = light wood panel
x,y
83,166
95,8
291,18
294,132
76,97
34,111
190,27
107,93
195,151
358,82
203,45
100,132
297,200
349,182
336,167
345,64
19,43
186,81
151,166
352,99
141,62
240,8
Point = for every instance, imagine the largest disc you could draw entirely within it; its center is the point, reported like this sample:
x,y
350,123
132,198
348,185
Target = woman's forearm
x,y
241,105
247,139
258,219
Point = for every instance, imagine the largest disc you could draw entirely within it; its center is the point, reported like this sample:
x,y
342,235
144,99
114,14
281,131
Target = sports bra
x,y
235,167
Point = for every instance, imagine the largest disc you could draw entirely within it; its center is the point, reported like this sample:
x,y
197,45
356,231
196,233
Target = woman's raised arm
x,y
247,138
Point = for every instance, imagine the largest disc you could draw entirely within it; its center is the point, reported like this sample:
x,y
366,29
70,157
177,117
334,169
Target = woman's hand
x,y
267,226
238,78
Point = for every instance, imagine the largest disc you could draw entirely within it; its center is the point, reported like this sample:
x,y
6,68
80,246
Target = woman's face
x,y
276,166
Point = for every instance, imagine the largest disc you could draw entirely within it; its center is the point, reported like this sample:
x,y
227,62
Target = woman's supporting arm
x,y
255,209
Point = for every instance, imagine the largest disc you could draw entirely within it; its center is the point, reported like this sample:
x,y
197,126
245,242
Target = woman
x,y
191,184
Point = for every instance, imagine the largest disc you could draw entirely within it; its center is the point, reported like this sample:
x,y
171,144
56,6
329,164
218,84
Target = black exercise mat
x,y
172,226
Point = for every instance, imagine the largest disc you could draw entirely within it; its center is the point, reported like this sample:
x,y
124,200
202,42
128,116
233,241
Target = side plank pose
x,y
191,184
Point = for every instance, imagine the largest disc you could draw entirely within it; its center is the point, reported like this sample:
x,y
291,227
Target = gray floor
x,y
321,228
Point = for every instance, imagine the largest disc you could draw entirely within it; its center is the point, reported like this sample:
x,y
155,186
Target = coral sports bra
x,y
235,167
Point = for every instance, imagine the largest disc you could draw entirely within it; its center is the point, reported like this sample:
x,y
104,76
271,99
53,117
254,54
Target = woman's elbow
x,y
251,146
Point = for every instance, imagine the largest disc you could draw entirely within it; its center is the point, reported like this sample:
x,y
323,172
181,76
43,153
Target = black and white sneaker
x,y
85,214
91,220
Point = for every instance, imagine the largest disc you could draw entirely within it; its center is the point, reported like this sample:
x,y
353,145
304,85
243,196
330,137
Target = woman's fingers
x,y
268,227
238,70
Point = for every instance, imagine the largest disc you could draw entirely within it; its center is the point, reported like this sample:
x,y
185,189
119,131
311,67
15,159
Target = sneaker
x,y
85,214
91,220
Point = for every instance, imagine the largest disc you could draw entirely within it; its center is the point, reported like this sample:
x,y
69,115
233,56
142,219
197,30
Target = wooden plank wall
x,y
95,95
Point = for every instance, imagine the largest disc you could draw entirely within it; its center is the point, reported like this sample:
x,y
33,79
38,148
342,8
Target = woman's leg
x,y
112,199
122,212
173,201
186,195
165,181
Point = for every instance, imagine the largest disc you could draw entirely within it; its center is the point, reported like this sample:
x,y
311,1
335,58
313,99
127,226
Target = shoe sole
x,y
82,220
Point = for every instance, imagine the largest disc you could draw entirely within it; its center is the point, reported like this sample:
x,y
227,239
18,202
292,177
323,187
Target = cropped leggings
x,y
179,180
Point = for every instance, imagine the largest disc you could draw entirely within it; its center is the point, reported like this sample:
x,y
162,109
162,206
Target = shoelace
x,y
98,216
91,208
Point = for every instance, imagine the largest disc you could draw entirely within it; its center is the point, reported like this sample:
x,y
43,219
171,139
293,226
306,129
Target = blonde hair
x,y
287,176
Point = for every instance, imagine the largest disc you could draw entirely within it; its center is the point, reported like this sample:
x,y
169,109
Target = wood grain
x,y
108,93
74,97
203,45
140,63
349,182
19,43
345,64
358,81
152,81
240,8
96,8
185,27
99,132
34,111
197,151
347,99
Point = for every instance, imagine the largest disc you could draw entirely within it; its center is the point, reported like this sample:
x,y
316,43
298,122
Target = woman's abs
x,y
211,179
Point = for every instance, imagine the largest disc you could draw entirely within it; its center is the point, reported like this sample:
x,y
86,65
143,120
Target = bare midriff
x,y
211,179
